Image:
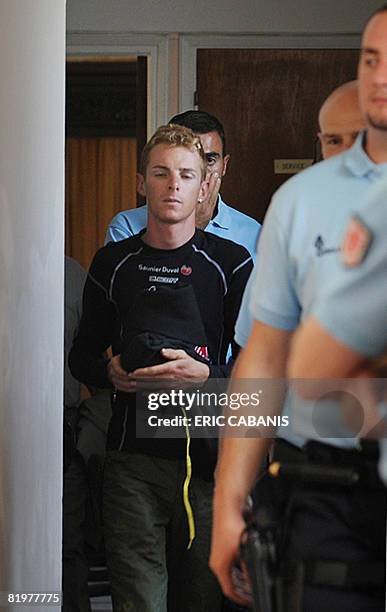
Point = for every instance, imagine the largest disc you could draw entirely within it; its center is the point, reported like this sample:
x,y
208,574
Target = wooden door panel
x,y
268,101
100,181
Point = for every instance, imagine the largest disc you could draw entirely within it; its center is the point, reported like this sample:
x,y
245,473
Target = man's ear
x,y
140,184
203,193
226,159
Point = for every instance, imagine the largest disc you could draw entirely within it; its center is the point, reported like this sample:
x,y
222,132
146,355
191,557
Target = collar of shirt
x,y
358,162
222,218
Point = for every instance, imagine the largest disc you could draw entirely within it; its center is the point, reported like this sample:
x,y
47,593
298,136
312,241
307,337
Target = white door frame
x,y
172,58
190,43
120,44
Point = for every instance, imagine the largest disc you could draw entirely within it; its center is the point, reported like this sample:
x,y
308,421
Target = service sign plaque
x,y
291,166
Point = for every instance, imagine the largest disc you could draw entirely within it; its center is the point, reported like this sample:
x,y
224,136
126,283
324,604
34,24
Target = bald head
x,y
340,120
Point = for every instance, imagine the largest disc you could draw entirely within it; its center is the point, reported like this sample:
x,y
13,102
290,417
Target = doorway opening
x,y
106,128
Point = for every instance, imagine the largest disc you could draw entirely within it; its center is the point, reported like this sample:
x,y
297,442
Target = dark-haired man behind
x,y
212,213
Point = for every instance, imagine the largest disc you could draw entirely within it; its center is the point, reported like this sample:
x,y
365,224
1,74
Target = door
x,y
268,101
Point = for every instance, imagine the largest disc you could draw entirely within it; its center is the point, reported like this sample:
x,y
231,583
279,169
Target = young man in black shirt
x,y
166,301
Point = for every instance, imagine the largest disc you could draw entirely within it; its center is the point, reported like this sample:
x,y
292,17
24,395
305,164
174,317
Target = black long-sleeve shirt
x,y
121,272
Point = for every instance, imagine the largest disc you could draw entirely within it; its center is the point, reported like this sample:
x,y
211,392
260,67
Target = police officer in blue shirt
x,y
300,239
213,214
346,334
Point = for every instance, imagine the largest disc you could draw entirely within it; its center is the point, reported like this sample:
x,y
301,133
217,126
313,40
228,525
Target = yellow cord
x,y
187,503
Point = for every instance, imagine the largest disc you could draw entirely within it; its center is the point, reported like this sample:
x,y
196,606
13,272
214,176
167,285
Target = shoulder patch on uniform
x,y
356,243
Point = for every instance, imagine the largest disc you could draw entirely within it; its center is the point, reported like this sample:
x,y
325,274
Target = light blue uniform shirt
x,y
354,309
228,223
299,242
244,322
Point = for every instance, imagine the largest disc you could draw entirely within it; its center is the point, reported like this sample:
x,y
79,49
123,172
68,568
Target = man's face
x,y
213,149
334,142
172,184
372,72
340,122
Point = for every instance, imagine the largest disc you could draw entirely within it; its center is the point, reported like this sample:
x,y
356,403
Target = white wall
x,y
32,52
318,16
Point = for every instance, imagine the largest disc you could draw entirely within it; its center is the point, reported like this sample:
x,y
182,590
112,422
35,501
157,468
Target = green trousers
x,y
146,536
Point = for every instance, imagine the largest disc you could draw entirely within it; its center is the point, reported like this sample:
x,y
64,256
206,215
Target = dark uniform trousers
x,y
327,522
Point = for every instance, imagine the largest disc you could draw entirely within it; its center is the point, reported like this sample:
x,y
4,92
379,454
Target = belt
x,y
322,463
368,450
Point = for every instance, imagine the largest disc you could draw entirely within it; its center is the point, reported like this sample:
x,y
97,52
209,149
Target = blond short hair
x,y
174,135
